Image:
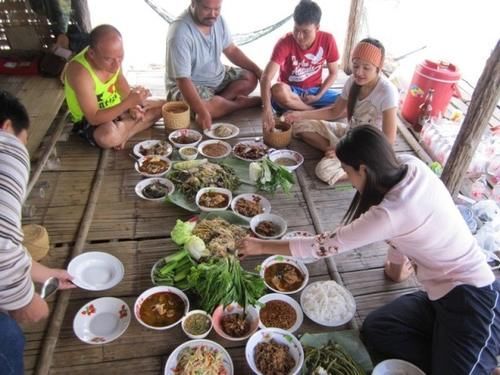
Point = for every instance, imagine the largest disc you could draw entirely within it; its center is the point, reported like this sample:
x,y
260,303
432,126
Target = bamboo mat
x,y
137,233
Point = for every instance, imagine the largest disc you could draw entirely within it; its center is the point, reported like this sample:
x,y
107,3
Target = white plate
x,y
333,300
102,320
396,367
210,133
139,162
281,337
282,297
172,359
151,143
143,183
300,234
264,203
95,270
250,143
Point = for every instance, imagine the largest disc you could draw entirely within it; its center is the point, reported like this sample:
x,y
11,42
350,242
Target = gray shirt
x,y
192,54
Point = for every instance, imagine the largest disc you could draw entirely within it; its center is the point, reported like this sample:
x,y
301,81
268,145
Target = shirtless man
x,y
105,110
194,71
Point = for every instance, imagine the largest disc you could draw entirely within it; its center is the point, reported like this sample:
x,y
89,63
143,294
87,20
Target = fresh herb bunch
x,y
270,176
223,281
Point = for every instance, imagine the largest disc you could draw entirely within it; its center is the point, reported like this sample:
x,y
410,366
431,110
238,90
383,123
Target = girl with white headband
x,y
368,97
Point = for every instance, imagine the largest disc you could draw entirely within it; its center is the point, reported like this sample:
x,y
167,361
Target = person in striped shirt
x,y
18,301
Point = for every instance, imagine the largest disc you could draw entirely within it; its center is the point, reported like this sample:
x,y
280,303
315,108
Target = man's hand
x,y
330,153
137,96
65,279
309,99
267,119
204,119
33,312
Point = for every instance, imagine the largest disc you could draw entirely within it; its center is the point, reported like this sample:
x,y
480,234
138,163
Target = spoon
x,y
49,287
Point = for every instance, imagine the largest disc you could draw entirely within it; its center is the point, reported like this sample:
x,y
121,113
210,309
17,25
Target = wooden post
x,y
484,100
81,14
353,27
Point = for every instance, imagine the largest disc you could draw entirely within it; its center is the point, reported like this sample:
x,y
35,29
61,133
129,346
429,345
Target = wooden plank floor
x,y
42,98
137,232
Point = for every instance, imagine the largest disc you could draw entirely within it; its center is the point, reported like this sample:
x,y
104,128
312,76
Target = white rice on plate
x,y
328,303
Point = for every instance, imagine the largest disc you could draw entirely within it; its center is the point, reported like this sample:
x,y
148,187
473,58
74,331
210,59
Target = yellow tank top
x,y
106,93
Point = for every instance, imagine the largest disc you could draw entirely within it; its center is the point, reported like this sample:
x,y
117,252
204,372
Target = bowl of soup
x,y
214,149
161,307
284,274
185,137
288,159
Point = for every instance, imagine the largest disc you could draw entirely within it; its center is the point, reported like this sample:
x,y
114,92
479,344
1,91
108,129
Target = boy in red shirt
x,y
299,57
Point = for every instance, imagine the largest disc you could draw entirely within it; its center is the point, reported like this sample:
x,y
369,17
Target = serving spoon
x,y
49,287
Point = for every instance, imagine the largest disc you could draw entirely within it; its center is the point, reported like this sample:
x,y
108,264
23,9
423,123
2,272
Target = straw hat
x,y
36,240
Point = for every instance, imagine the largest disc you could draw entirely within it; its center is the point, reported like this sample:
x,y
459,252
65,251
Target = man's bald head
x,y
101,33
106,48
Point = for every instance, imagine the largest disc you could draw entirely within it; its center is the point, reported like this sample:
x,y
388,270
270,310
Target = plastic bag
x,y
486,210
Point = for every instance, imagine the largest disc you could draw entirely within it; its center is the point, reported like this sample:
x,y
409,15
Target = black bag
x,y
52,65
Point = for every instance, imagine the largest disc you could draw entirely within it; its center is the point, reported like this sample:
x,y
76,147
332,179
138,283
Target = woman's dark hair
x,y
368,146
307,12
12,109
355,88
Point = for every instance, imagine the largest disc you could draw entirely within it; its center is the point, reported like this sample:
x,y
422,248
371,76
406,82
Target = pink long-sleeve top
x,y
419,220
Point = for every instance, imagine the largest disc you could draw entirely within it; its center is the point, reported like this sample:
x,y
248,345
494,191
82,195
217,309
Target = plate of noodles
x,y
204,356
328,303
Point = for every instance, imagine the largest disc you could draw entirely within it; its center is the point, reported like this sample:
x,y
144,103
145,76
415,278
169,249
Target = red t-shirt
x,y
300,67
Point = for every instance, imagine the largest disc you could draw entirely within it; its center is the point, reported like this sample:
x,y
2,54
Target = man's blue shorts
x,y
328,98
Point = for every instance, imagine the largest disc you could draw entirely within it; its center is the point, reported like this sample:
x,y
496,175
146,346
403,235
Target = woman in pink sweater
x,y
453,326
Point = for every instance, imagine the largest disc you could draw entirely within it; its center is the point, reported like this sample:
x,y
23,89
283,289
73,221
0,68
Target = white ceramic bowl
x,y
148,181
185,156
151,143
211,133
171,364
289,260
264,203
102,320
154,290
278,221
213,190
287,154
396,367
96,270
211,142
140,161
279,336
337,297
289,300
187,132
251,316
191,313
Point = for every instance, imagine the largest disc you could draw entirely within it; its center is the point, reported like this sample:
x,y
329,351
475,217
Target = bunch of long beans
x,y
332,358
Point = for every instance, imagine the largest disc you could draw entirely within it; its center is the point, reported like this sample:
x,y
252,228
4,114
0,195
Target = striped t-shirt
x,y
16,286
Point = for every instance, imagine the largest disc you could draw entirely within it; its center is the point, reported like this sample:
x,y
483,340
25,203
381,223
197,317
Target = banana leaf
x,y
348,339
241,170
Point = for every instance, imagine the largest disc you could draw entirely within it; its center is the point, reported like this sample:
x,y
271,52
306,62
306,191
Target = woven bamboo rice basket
x,y
175,115
280,136
36,240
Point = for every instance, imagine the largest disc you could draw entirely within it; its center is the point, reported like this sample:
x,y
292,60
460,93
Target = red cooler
x,y
440,76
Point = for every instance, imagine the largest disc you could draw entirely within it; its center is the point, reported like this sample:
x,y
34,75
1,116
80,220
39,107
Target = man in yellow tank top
x,y
104,109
